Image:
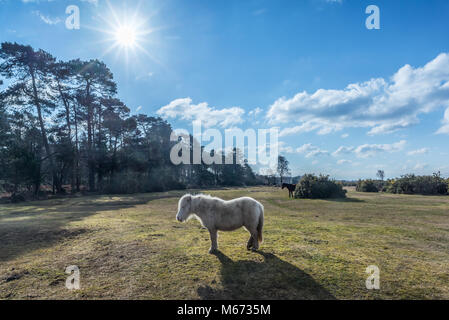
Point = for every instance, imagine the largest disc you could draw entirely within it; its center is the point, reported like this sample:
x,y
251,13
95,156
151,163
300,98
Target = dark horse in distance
x,y
290,187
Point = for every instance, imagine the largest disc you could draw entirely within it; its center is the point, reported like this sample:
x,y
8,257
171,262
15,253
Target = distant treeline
x,y
63,127
407,184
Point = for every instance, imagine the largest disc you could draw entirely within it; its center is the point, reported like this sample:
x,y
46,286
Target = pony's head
x,y
284,185
184,208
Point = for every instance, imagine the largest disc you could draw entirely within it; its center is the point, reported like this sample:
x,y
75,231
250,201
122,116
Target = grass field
x,y
131,247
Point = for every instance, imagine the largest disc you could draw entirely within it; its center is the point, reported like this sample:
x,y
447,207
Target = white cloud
x,y
311,151
382,105
209,116
138,108
255,112
420,166
47,19
322,127
305,127
94,2
445,127
418,151
144,76
282,148
343,150
343,161
344,135
410,166
369,150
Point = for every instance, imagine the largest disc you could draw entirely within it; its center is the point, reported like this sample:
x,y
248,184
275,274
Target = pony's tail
x,y
260,225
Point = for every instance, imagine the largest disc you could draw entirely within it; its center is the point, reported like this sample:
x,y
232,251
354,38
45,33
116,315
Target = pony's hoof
x,y
213,251
254,249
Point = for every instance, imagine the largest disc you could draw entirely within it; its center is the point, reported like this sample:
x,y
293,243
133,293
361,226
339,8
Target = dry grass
x,y
131,247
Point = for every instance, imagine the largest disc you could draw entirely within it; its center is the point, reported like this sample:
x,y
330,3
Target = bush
x,y
318,187
411,184
368,186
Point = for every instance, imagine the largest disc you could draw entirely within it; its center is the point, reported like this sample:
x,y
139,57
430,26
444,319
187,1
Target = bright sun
x,y
126,32
125,36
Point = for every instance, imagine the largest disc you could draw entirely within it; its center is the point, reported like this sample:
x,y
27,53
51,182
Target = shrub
x,y
318,187
411,184
368,186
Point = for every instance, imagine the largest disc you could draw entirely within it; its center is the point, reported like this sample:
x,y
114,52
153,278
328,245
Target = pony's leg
x,y
213,239
250,243
255,240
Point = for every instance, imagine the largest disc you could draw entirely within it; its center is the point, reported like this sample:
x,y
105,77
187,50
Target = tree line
x,y
62,126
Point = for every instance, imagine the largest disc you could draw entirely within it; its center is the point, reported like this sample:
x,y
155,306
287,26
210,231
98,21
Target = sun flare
x,y
126,36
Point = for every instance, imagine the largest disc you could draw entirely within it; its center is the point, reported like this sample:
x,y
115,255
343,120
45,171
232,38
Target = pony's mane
x,y
206,196
201,196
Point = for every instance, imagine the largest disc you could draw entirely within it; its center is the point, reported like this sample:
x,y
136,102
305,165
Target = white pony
x,y
217,214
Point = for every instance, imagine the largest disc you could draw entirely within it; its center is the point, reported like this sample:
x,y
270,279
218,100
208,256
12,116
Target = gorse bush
x,y
368,186
318,187
412,184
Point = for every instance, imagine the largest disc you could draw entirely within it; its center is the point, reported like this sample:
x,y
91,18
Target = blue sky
x,y
347,100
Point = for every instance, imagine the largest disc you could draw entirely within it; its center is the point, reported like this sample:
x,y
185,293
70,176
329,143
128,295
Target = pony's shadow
x,y
271,279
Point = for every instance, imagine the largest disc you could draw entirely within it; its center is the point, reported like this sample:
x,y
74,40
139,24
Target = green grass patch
x,y
131,247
